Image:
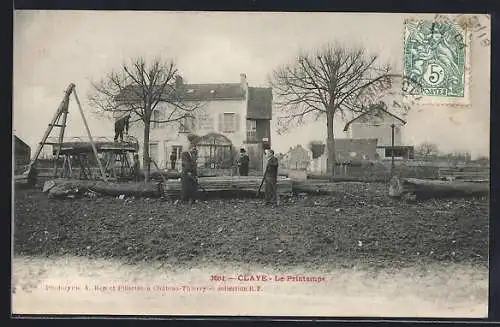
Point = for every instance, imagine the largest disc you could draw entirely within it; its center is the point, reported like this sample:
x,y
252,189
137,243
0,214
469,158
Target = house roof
x,y
260,100
375,111
195,92
214,91
20,143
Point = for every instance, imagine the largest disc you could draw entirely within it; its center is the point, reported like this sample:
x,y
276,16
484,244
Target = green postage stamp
x,y
436,61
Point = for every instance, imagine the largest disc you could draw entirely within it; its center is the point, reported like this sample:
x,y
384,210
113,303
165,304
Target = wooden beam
x,y
103,174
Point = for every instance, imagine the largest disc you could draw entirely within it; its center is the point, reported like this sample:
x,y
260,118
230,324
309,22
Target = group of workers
x,y
189,175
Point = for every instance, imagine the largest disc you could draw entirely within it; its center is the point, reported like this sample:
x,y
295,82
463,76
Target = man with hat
x,y
271,178
243,162
189,183
121,125
136,169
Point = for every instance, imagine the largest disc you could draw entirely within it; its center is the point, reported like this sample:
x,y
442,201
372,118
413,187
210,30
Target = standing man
x,y
121,125
173,159
271,178
194,154
32,175
243,163
188,177
136,168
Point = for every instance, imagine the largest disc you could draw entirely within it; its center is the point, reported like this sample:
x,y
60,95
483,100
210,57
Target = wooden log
x,y
65,187
313,187
423,189
138,189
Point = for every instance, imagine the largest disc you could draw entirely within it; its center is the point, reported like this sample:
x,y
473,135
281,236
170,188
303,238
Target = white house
x,y
386,128
369,136
230,116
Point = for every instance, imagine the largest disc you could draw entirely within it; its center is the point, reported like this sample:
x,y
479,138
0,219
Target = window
x,y
166,153
177,149
153,151
205,123
229,123
187,125
155,117
251,130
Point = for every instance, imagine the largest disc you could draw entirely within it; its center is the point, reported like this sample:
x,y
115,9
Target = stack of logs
x,y
229,183
397,188
65,187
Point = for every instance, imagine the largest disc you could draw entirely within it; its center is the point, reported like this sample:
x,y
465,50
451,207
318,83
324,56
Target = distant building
x,y
233,114
369,138
347,151
296,158
376,124
22,152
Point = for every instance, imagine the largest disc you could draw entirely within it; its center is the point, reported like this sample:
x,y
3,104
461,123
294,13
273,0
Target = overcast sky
x,y
55,48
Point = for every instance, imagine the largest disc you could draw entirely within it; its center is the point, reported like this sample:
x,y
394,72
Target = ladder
x,y
59,121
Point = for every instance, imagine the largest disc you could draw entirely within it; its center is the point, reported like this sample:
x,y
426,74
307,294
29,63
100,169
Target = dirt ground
x,y
381,257
359,224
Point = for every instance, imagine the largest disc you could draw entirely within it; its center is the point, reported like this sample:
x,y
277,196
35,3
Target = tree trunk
x,y
330,144
145,152
314,188
424,189
63,188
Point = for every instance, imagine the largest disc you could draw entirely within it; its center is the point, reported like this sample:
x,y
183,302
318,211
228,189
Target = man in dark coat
x,y
173,159
136,169
271,178
188,177
121,125
243,163
32,175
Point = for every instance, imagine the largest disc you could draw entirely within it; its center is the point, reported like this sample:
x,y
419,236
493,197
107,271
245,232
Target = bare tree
x,y
136,89
427,151
334,80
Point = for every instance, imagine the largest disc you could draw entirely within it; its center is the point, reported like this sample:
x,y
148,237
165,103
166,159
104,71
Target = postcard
x,y
251,163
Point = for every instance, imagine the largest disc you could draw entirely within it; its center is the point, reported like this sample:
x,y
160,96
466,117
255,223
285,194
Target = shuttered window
x,y
229,122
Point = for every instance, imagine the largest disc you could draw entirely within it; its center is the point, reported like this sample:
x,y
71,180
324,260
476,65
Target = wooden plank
x,y
86,147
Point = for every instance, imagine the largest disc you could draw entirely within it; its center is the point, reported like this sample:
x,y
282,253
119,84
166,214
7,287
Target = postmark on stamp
x,y
436,61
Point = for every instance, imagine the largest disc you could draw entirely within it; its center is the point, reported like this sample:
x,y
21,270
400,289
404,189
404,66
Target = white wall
x,y
169,134
382,133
